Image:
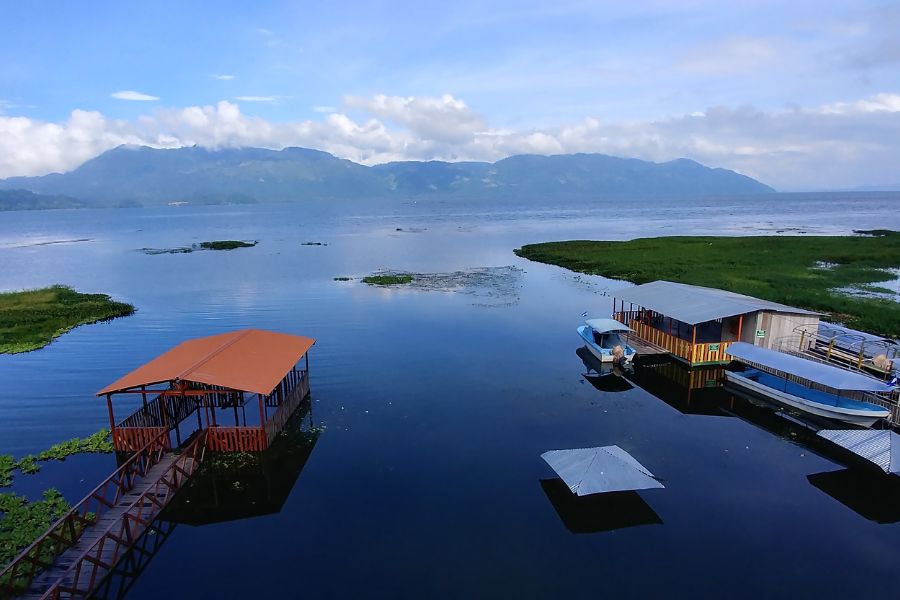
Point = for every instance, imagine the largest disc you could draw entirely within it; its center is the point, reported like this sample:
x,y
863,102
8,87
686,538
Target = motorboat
x,y
603,338
811,387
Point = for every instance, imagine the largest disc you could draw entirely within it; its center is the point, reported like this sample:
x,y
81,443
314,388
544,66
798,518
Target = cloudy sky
x,y
799,94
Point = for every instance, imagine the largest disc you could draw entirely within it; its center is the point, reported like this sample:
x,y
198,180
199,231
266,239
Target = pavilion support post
x,y
112,420
740,326
614,307
144,396
262,415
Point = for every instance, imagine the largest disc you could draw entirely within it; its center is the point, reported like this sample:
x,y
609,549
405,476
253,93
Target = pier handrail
x,y
64,533
124,532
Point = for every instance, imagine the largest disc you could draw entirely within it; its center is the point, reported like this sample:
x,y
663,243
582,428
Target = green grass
x,y
777,268
226,245
33,318
387,279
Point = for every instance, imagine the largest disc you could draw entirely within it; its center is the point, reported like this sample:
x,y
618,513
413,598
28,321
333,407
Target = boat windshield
x,y
608,340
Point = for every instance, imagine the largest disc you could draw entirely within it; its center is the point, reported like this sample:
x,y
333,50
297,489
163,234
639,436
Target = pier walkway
x,y
85,545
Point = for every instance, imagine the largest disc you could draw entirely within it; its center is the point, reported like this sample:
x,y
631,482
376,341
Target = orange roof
x,y
251,360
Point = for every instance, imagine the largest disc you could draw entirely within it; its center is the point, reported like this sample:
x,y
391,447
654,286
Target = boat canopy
x,y
604,469
827,375
607,325
881,447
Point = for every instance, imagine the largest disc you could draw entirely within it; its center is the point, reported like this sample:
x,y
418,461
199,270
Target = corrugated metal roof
x,y
881,447
827,375
251,360
694,304
604,469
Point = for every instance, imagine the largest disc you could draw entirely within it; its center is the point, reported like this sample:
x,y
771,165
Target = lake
x,y
435,404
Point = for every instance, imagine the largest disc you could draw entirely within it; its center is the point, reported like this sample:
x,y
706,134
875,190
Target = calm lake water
x,y
426,480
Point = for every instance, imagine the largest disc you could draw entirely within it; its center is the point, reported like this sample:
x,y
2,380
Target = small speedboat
x,y
603,338
811,387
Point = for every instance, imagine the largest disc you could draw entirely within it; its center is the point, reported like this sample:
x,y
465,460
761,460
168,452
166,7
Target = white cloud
x,y
255,98
132,95
223,77
839,145
445,119
324,109
878,102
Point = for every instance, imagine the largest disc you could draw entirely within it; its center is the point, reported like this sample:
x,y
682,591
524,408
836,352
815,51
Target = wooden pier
x,y
79,553
646,349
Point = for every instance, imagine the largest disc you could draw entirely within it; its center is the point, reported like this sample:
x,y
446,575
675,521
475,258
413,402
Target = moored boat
x,y
808,386
603,337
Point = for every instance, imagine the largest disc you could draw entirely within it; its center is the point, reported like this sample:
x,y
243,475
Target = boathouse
x,y
208,384
696,324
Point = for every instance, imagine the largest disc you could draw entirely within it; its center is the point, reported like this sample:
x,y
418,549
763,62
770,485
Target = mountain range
x,y
143,176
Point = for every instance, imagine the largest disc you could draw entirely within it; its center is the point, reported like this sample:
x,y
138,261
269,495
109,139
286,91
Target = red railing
x,y
19,574
97,561
275,424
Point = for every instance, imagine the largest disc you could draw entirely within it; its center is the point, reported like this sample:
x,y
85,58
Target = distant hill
x,y
25,200
138,175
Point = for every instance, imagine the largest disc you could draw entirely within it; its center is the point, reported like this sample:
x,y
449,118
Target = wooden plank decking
x,y
645,348
61,574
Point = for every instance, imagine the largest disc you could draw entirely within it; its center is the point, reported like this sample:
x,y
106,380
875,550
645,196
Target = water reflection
x,y
694,391
233,486
598,512
606,378
870,494
117,584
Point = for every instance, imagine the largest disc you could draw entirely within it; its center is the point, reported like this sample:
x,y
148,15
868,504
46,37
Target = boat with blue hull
x,y
814,388
603,336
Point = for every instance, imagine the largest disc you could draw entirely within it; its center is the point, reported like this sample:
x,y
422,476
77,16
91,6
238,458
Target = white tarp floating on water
x,y
604,469
879,446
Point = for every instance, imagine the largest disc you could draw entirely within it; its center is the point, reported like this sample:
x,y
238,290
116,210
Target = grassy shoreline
x,y
31,319
803,271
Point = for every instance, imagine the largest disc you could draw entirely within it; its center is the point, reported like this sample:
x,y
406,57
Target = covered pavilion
x,y
215,378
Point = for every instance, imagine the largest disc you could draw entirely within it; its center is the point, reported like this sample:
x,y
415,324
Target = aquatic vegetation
x,y
214,245
226,245
97,443
343,279
493,286
784,269
7,466
314,244
24,521
31,319
398,279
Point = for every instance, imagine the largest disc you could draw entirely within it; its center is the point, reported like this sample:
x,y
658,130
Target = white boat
x,y
808,386
602,336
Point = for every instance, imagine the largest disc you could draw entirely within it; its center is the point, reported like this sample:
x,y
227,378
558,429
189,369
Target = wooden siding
x,y
693,354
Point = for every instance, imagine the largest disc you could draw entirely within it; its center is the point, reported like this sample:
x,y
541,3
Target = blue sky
x,y
772,89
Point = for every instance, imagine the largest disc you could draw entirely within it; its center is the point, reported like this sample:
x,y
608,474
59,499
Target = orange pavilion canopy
x,y
250,360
